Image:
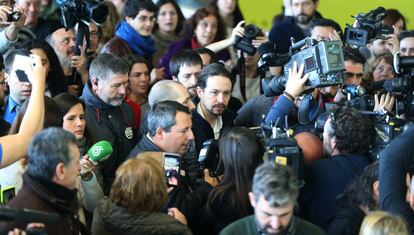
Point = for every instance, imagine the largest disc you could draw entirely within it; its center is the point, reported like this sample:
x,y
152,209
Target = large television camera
x,y
282,149
323,61
367,27
74,11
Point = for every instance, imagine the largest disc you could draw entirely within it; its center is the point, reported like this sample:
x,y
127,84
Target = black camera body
x,y
74,11
282,149
14,16
209,158
368,26
323,61
244,44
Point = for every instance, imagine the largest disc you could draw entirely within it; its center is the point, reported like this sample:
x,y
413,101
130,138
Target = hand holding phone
x,y
30,69
172,168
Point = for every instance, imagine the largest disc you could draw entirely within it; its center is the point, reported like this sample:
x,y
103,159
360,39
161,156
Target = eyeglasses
x,y
351,75
143,19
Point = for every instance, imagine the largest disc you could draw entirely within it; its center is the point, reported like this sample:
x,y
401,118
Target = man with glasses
x,y
133,33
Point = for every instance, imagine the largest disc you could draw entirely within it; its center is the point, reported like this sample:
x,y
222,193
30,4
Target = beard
x,y
115,101
303,18
216,113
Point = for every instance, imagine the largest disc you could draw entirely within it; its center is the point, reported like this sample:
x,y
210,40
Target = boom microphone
x,y
100,151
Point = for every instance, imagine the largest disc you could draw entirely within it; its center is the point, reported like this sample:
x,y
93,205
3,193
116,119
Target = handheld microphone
x,y
100,151
27,216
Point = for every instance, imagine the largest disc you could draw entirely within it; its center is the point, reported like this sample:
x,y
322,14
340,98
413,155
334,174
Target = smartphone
x,y
22,61
172,168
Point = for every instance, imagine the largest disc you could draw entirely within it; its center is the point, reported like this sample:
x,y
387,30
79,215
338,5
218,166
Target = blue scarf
x,y
143,46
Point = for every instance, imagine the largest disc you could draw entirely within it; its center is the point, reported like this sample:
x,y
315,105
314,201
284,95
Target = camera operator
x,y
346,137
395,162
9,31
406,39
286,102
273,197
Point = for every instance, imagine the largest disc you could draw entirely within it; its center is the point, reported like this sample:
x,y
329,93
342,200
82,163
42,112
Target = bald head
x,y
170,90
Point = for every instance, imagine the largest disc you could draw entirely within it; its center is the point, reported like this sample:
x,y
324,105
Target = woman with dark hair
x,y
55,82
136,198
358,199
203,28
393,17
229,11
139,80
169,24
73,111
240,154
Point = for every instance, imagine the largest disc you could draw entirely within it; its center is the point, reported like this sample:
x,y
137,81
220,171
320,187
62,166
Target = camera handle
x,y
303,111
83,32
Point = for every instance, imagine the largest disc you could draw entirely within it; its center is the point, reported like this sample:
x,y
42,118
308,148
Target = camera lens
x,y
14,16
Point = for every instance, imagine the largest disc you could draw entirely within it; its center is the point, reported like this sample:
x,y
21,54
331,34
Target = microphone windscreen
x,y
100,151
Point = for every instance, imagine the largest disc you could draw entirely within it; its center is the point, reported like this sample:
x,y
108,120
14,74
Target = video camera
x,y
323,61
209,158
244,44
74,11
368,26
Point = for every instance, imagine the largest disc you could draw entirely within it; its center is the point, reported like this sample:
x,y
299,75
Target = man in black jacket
x,y
211,114
107,116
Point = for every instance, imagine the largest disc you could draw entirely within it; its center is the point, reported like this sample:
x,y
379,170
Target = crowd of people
x,y
159,87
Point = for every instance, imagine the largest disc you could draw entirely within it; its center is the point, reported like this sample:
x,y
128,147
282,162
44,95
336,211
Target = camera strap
x,y
242,76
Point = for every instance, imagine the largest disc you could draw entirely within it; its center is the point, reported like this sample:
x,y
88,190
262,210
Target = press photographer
x,y
10,26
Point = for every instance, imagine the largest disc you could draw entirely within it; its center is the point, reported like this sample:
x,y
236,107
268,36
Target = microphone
x,y
100,151
25,216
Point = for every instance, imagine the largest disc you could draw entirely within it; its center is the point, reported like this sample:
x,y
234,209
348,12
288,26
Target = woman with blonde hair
x,y
383,223
136,198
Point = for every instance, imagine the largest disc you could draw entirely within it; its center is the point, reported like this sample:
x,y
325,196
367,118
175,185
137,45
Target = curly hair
x,y
353,132
360,192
